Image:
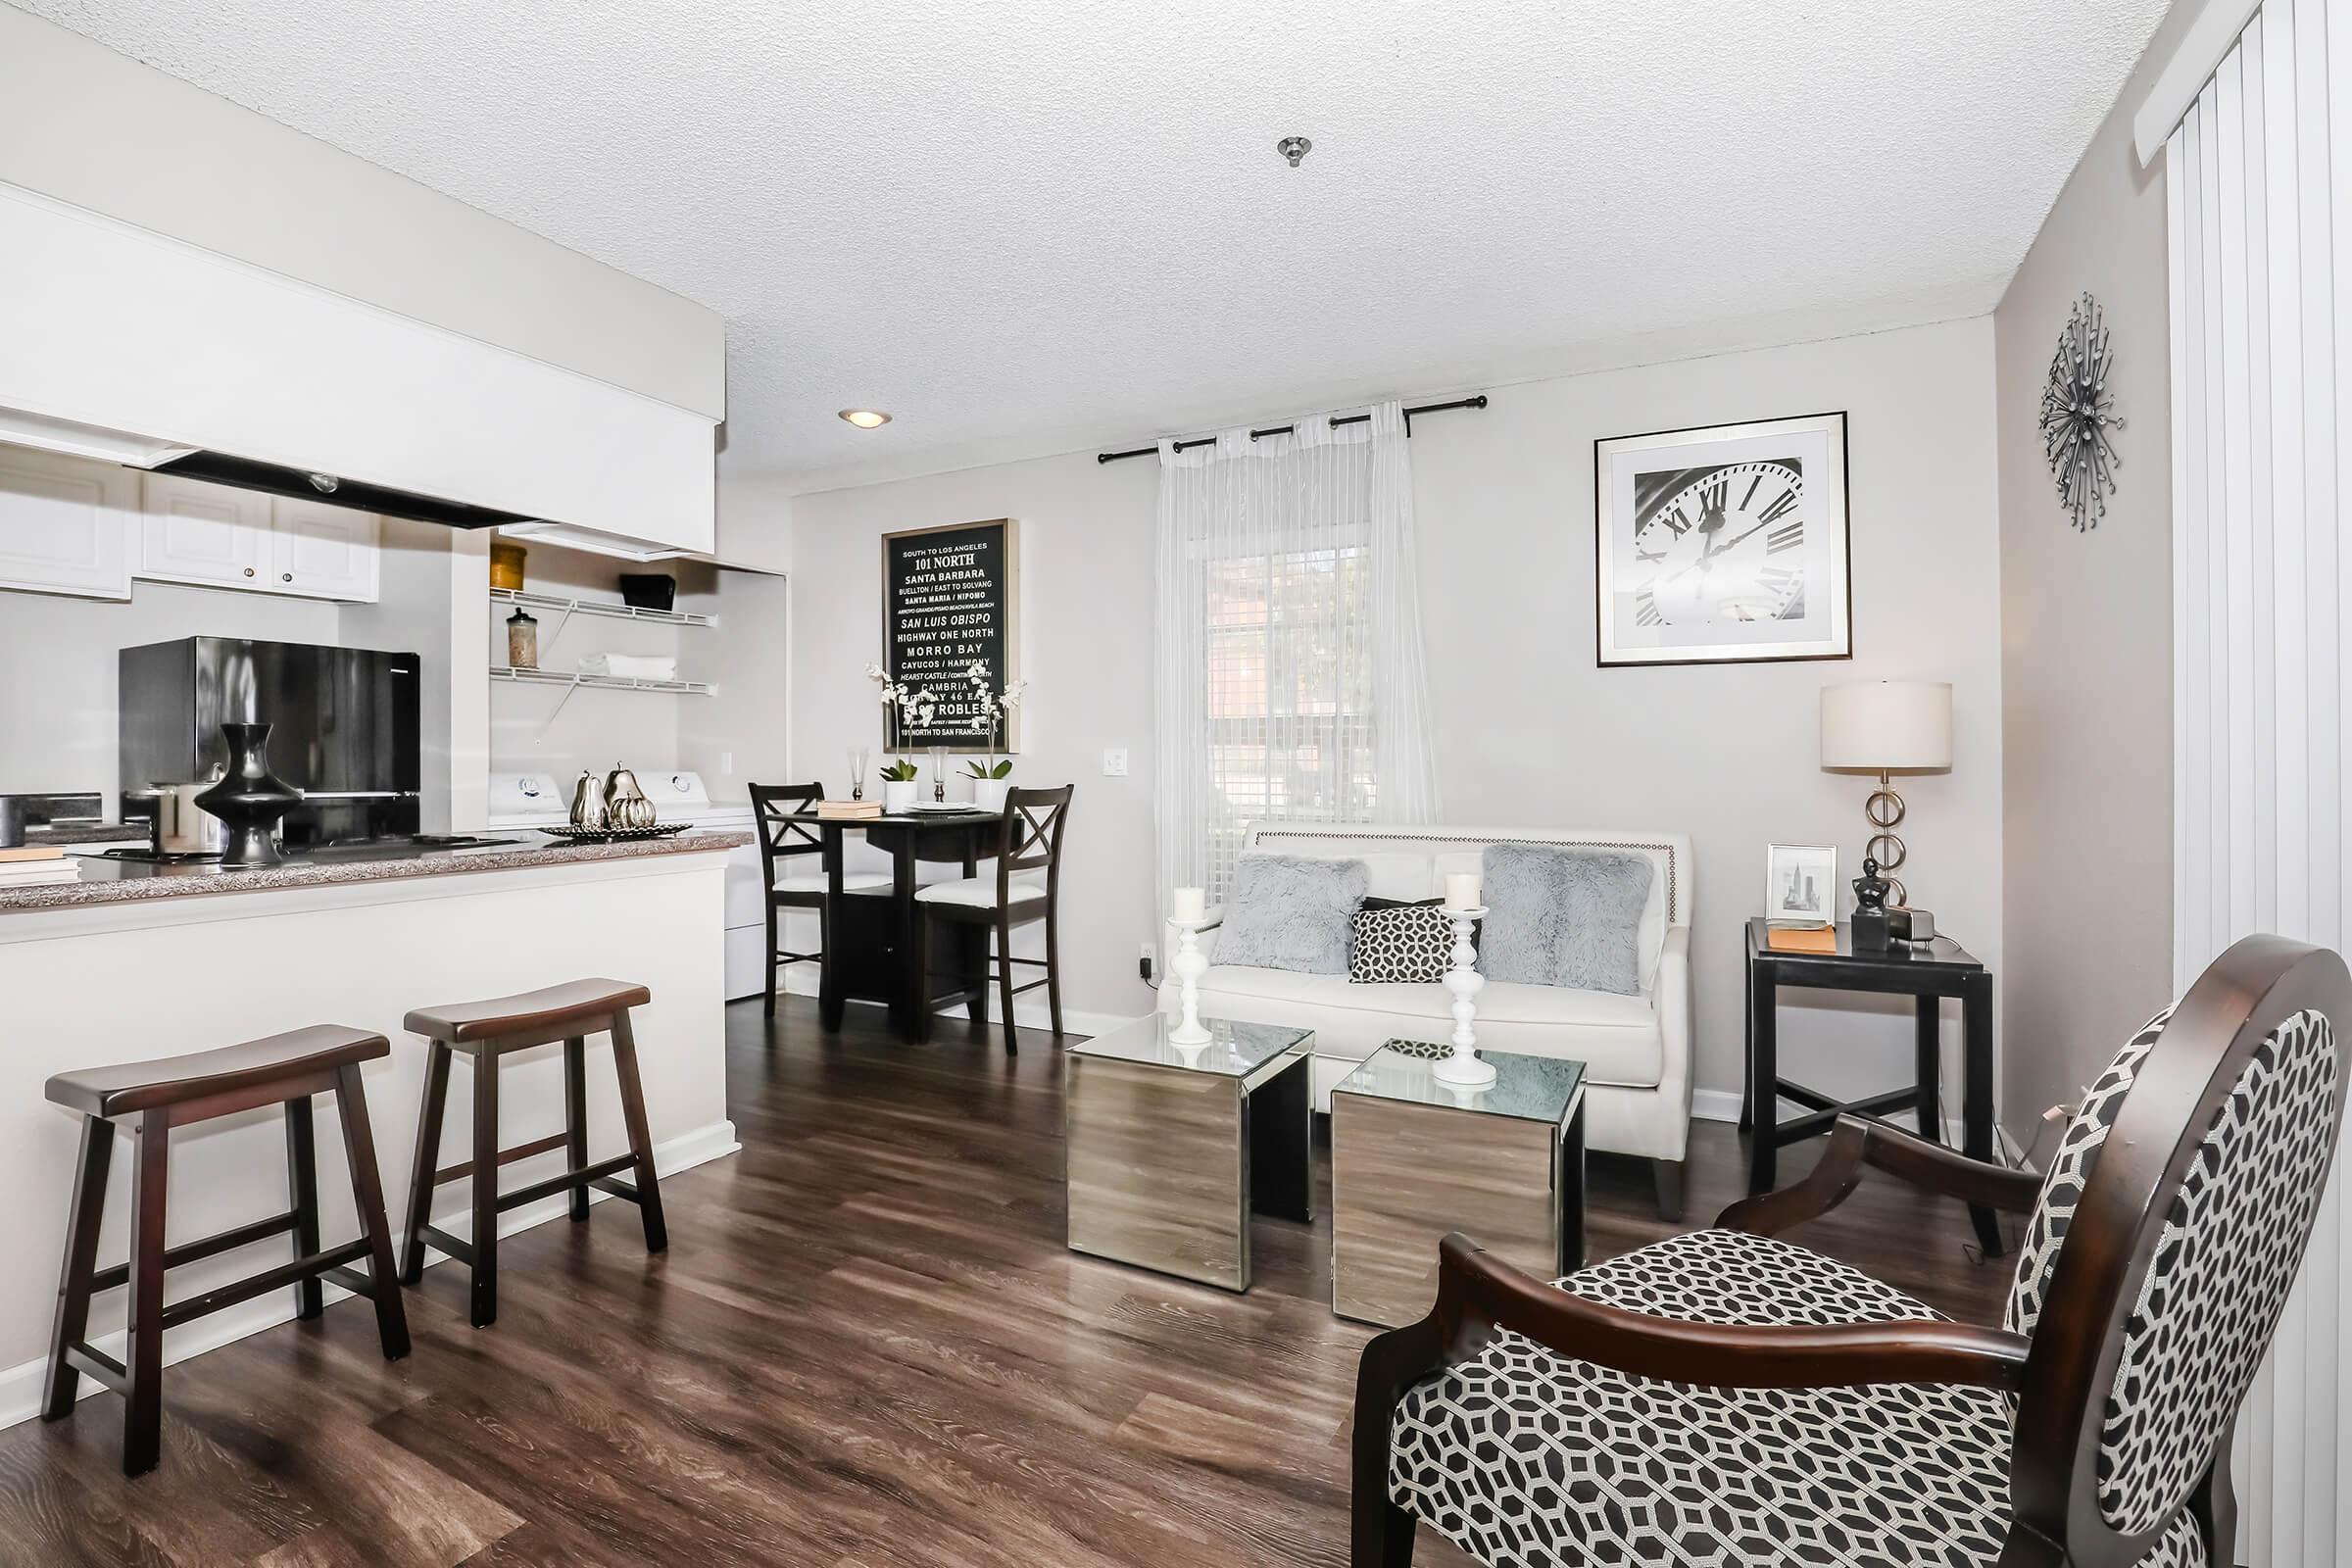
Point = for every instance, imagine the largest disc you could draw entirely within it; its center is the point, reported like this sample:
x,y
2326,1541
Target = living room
x,y
1372,810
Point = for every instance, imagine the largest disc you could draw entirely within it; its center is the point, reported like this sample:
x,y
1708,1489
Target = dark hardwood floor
x,y
865,1346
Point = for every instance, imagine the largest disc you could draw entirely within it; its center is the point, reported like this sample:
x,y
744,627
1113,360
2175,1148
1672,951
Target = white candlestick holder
x,y
1189,964
1463,1069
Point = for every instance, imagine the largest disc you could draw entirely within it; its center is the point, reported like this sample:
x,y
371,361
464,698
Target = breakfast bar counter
x,y
140,960
114,881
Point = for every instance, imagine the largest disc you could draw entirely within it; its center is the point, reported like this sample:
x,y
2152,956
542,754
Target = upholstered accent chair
x,y
1728,1398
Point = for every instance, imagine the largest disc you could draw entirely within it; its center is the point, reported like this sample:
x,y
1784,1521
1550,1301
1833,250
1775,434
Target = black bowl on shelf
x,y
649,590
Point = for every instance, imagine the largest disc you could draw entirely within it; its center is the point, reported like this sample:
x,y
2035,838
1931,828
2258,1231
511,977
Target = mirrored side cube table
x,y
1171,1148
1412,1158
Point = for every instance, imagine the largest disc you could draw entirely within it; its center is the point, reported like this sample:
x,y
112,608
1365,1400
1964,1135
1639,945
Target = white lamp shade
x,y
1887,725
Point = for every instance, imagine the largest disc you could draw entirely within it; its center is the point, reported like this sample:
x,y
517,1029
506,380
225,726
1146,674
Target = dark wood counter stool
x,y
486,1031
175,1091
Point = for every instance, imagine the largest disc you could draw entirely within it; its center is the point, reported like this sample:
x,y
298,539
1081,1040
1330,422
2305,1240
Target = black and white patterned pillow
x,y
1399,944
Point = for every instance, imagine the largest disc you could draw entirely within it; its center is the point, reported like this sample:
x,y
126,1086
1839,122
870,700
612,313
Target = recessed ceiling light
x,y
865,418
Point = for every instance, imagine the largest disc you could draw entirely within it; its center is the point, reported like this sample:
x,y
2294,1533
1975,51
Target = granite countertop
x,y
105,881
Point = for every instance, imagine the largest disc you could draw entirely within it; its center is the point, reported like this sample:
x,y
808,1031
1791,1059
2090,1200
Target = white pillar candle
x,y
1461,890
1188,904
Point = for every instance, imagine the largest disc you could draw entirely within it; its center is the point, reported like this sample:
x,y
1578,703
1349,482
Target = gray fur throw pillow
x,y
1560,915
1290,911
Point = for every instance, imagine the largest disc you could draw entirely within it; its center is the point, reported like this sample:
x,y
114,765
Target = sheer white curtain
x,y
2256,192
1291,684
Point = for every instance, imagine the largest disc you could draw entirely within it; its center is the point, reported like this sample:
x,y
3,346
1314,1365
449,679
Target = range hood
x,y
244,474
21,427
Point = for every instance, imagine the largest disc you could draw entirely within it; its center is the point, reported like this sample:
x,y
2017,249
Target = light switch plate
x,y
1115,761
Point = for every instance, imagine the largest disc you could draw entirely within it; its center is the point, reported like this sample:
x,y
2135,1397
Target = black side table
x,y
1930,972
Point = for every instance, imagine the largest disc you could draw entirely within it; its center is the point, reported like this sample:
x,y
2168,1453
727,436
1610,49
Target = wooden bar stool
x,y
774,808
486,1031
1029,840
175,1091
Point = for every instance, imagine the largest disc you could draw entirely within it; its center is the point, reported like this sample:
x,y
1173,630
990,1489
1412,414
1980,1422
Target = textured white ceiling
x,y
1027,228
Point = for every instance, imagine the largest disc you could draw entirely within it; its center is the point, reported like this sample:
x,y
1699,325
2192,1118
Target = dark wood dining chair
x,y
781,841
1726,1396
1025,885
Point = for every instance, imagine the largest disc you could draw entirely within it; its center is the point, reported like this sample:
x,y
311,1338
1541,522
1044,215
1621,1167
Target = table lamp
x,y
1887,727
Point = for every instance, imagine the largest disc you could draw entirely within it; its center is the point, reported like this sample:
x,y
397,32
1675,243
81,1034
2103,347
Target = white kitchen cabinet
x,y
323,552
220,537
207,534
66,524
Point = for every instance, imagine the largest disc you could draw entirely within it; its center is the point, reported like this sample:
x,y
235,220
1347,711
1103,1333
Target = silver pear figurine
x,y
625,802
588,803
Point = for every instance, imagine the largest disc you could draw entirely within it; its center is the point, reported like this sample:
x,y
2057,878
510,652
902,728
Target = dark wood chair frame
x,y
1029,839
480,1253
782,839
2060,1375
138,1378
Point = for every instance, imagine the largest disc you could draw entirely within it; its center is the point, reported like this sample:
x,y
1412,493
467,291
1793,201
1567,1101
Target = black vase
x,y
249,800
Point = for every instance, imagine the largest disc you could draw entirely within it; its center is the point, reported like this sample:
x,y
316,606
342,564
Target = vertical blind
x,y
2255,189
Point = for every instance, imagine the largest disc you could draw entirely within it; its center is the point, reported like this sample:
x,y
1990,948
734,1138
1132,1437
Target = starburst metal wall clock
x,y
2077,412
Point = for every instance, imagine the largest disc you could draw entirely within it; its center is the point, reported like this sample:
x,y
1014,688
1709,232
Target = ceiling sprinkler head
x,y
1295,148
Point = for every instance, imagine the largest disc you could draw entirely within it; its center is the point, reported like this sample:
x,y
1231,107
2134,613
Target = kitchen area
x,y
271,768
160,607
420,848
272,760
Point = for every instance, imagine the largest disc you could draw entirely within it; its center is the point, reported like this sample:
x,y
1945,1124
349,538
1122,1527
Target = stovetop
x,y
400,847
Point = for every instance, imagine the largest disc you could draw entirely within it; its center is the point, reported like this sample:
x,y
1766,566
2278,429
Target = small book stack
x,y
848,810
35,866
1822,939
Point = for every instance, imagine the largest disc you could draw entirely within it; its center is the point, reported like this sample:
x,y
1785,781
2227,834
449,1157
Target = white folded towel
x,y
635,667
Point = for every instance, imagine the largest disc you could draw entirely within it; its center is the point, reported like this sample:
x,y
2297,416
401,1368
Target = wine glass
x,y
857,761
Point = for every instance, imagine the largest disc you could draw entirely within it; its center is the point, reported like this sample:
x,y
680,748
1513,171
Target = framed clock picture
x,y
1723,544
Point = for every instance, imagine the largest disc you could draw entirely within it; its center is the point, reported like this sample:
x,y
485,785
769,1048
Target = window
x,y
1290,685
1290,698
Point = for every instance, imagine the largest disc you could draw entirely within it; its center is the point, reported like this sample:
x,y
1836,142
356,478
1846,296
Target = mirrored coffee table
x,y
1171,1149
1413,1159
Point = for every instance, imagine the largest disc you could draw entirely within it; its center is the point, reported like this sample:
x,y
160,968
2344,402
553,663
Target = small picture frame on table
x,y
1801,886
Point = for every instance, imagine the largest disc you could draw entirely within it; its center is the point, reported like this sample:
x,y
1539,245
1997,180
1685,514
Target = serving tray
x,y
613,835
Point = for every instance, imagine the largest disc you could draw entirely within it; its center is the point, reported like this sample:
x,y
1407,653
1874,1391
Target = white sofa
x,y
1635,1049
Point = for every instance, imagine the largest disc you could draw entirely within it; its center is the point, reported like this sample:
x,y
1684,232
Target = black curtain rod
x,y
1478,402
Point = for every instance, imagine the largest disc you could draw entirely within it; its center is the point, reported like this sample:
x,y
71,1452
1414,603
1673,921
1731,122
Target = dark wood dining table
x,y
871,949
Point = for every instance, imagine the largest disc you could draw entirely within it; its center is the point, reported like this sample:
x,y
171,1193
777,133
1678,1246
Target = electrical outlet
x,y
1115,761
726,764
1144,966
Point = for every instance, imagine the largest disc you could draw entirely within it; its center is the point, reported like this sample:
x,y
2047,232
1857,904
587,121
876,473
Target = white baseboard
x,y
1030,1011
21,1386
1714,1104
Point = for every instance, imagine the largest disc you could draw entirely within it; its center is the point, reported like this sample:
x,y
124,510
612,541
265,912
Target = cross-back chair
x,y
1025,885
1726,1397
783,840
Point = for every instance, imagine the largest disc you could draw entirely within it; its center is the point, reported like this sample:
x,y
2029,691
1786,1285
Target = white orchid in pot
x,y
903,706
991,780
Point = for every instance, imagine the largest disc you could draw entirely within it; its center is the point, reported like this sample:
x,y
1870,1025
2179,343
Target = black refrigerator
x,y
343,728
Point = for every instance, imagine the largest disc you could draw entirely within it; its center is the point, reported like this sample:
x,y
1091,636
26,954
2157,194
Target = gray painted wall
x,y
2087,622
1528,731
